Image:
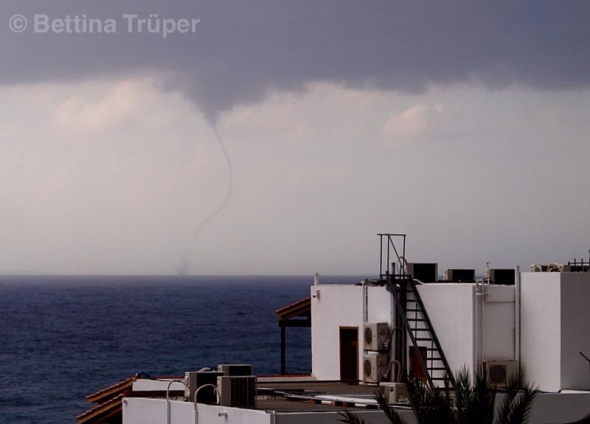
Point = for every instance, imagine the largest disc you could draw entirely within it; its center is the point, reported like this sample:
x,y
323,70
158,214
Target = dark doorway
x,y
349,353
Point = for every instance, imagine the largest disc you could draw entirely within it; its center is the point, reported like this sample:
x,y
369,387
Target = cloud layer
x,y
242,50
463,124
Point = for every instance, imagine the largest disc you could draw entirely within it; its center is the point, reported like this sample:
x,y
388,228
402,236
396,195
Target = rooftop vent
x,y
459,275
501,276
423,272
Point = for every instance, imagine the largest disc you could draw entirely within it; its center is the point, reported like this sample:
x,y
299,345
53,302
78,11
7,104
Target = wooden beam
x,y
295,323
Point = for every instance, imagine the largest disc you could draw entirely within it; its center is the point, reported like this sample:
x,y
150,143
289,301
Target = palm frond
x,y
521,408
431,406
442,407
480,409
418,396
506,405
462,395
392,415
350,418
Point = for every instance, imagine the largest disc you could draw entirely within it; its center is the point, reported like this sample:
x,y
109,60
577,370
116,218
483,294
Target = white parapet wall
x,y
548,408
555,323
154,411
372,417
146,385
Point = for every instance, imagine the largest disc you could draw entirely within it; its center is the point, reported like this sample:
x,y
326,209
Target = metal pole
x,y
283,348
195,401
168,409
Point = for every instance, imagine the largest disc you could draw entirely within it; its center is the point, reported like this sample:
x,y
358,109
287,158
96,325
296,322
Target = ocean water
x,y
62,338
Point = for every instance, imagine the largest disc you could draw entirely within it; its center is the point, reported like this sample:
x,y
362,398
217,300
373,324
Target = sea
x,y
62,338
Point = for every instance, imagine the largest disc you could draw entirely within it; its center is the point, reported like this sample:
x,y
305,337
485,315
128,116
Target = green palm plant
x,y
470,402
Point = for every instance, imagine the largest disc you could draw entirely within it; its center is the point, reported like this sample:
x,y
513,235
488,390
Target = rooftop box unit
x,y
196,379
395,393
499,373
235,370
237,391
424,272
501,276
376,336
459,275
374,367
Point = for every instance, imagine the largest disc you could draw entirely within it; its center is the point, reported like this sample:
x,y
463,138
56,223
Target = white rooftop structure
x,y
538,322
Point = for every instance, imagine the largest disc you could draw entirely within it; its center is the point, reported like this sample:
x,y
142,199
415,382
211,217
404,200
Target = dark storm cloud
x,y
244,48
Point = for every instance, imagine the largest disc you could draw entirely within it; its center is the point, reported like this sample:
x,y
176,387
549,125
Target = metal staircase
x,y
424,342
427,349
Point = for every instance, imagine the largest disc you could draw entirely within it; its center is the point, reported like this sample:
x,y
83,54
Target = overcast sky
x,y
463,124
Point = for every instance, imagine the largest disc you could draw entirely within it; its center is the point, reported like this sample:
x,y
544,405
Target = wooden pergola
x,y
110,401
297,314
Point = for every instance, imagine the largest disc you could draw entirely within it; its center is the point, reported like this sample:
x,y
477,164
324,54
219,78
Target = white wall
x,y
540,325
143,384
380,305
548,408
337,306
559,407
451,311
575,330
370,416
342,306
555,325
498,323
153,411
450,306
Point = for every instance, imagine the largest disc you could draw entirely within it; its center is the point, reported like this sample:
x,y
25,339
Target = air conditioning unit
x,y
196,379
501,276
235,369
459,275
376,336
499,373
395,393
237,391
424,272
374,367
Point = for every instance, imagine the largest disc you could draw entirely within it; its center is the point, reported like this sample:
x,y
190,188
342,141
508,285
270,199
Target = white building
x,y
543,322
539,324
